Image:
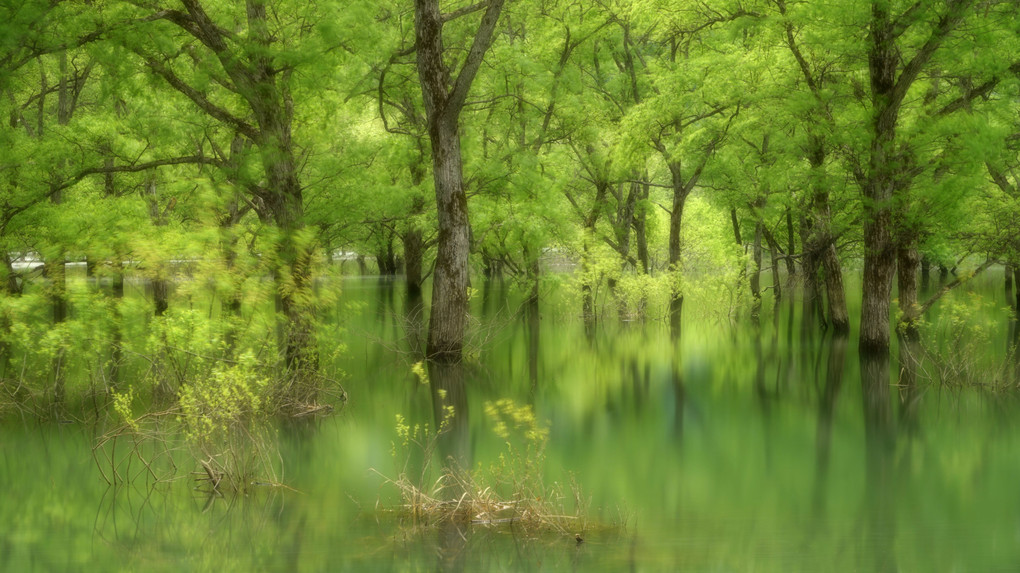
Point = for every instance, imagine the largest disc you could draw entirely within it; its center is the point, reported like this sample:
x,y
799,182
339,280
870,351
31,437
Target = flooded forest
x,y
514,285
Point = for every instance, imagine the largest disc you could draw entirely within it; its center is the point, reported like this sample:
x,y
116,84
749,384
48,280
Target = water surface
x,y
730,448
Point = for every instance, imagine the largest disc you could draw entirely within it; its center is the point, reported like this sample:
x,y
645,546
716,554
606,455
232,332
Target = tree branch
x,y
974,93
483,38
465,11
945,25
134,168
200,99
910,315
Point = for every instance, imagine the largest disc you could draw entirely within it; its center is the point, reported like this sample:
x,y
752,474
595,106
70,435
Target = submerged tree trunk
x,y
443,104
117,337
838,315
774,254
908,261
879,268
681,189
810,266
756,275
293,273
879,248
1012,302
414,248
821,245
791,245
640,229
159,217
1016,284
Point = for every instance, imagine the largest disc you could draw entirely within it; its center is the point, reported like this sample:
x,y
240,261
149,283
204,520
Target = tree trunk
x,y
10,288
879,249
55,270
736,227
791,245
821,246
809,265
1012,302
414,243
908,261
676,216
838,315
232,302
640,230
414,247
774,253
448,320
621,229
756,275
159,283
293,274
879,268
386,258
1016,283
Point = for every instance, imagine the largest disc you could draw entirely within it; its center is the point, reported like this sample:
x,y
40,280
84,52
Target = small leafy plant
x,y
509,491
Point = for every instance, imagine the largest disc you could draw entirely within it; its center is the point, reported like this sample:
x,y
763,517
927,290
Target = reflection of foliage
x,y
507,417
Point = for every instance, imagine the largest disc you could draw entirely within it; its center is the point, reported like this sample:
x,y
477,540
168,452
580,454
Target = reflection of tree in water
x,y
677,384
532,319
162,523
450,408
826,406
879,443
910,354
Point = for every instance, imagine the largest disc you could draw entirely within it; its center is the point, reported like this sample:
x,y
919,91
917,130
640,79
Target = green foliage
x,y
418,368
957,344
231,395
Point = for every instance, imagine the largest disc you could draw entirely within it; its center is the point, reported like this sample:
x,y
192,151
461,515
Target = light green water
x,y
730,449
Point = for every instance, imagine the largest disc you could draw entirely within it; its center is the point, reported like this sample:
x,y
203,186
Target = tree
x,y
244,82
444,100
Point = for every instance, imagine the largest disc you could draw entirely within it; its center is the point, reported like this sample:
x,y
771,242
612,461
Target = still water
x,y
728,448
